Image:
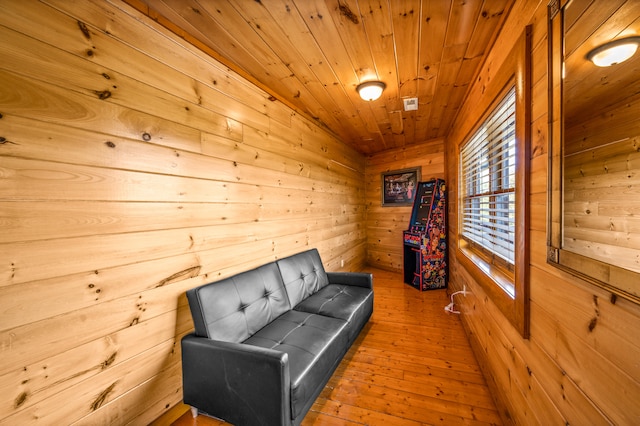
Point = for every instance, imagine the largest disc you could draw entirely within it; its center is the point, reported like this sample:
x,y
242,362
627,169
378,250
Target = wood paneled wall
x,y
580,365
385,224
602,161
133,167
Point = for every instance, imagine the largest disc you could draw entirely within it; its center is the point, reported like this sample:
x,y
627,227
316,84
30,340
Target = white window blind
x,y
487,183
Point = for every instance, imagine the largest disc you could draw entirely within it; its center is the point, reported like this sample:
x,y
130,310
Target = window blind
x,y
487,182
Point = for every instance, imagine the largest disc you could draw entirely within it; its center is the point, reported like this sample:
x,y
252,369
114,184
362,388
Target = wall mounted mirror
x,y
594,168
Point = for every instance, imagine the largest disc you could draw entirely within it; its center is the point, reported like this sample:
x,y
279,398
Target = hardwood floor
x,y
411,365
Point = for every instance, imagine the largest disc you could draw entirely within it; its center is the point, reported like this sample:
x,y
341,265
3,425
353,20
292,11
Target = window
x,y
493,186
488,184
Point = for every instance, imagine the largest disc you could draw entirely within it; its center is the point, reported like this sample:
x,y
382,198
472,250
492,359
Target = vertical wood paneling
x,y
133,168
578,365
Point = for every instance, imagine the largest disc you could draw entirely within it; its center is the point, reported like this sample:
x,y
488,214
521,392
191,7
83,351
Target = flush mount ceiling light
x,y
370,90
614,52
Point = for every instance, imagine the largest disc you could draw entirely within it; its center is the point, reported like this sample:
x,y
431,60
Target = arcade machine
x,y
425,242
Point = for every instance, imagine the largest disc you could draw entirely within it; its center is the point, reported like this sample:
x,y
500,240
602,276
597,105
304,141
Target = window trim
x,y
494,280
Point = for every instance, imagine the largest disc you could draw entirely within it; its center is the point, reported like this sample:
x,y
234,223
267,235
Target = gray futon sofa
x,y
266,341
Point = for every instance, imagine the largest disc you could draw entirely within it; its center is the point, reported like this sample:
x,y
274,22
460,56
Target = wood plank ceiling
x,y
311,54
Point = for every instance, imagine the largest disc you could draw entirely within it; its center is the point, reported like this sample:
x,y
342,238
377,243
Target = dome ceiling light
x,y
370,90
614,52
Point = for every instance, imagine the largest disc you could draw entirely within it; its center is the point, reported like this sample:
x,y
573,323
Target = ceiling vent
x,y
410,104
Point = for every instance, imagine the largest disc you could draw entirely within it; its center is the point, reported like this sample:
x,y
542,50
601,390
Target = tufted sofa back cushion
x,y
233,309
303,275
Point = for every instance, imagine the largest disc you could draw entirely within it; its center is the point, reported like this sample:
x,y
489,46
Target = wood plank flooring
x,y
411,365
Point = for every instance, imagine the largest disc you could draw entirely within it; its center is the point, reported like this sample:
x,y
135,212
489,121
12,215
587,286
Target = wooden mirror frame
x,y
611,278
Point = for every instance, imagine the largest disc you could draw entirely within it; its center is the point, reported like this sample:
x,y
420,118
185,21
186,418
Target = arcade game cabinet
x,y
425,242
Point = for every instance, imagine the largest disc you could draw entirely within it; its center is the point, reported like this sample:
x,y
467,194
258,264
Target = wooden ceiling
x,y
311,54
590,90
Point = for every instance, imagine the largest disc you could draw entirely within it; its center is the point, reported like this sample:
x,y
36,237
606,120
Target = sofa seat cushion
x,y
346,302
315,345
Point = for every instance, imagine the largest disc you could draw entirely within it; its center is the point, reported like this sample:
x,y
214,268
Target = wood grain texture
x,y
568,371
385,224
601,186
115,200
312,54
134,167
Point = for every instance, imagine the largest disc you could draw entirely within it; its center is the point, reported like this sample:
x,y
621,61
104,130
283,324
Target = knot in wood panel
x,y
85,30
20,400
105,94
594,320
347,13
108,361
187,273
103,397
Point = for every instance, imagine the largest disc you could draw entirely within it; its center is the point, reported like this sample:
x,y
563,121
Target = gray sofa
x,y
266,341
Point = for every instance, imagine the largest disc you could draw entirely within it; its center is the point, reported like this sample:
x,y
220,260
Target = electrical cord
x,y
451,306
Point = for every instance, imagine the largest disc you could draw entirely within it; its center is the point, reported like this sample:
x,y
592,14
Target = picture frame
x,y
398,186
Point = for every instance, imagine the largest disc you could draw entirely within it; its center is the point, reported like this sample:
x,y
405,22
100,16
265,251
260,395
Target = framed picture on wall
x,y
398,186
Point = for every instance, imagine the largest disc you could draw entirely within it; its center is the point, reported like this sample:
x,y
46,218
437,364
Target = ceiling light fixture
x,y
370,90
614,52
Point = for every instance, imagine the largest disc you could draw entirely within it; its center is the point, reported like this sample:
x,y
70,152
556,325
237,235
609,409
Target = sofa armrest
x,y
360,279
240,383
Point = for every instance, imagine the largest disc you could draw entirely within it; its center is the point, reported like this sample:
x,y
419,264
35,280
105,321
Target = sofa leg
x,y
194,412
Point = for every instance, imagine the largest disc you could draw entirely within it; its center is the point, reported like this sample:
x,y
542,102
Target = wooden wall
x,y
385,224
134,167
602,161
131,171
580,365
